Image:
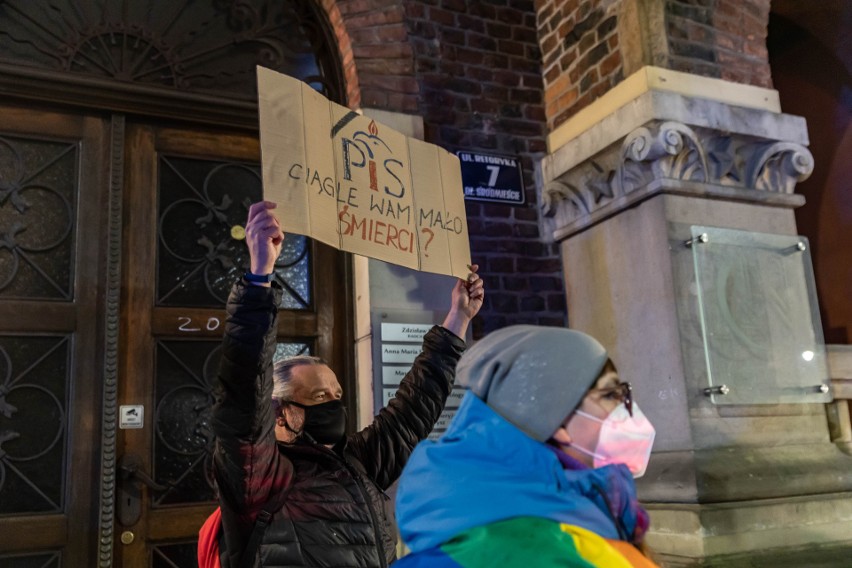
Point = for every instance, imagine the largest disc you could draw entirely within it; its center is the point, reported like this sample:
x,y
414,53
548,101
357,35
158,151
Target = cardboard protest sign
x,y
359,186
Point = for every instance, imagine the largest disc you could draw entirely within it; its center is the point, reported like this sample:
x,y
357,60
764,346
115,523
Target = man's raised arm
x,y
384,446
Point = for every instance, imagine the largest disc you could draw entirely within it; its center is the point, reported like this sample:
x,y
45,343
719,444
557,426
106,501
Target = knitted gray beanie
x,y
532,376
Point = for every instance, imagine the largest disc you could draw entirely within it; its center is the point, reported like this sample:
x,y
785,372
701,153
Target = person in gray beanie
x,y
537,466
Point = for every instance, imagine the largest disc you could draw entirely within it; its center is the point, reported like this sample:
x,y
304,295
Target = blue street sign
x,y
488,177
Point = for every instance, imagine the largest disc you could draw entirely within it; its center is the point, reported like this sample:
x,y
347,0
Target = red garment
x,y
208,541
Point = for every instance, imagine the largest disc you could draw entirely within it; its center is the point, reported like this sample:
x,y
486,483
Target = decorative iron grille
x,y
42,560
33,423
202,251
177,555
183,445
38,189
205,47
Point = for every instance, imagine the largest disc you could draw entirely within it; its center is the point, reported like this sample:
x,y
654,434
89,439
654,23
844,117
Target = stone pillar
x,y
755,485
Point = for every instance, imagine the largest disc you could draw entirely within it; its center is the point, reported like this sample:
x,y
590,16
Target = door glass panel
x,y
292,271
183,555
38,183
33,415
284,350
184,399
49,560
183,445
203,206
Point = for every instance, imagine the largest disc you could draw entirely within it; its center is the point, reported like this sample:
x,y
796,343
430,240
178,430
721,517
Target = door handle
x,y
130,467
132,477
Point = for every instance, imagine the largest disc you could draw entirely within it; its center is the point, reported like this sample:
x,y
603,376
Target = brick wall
x,y
383,57
580,53
719,38
479,72
347,57
497,75
582,42
472,71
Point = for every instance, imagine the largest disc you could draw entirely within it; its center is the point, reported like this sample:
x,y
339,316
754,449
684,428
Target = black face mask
x,y
326,422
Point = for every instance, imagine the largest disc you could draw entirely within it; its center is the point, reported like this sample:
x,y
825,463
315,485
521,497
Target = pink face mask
x,y
623,439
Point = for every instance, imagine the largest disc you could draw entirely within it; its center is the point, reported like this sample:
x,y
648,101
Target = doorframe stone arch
x,y
345,50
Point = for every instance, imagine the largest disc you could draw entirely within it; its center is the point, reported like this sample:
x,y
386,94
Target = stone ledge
x,y
668,106
840,362
726,475
833,555
674,187
765,527
735,166
650,78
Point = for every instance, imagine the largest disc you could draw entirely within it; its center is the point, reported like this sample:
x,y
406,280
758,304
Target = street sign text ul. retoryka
x,y
487,177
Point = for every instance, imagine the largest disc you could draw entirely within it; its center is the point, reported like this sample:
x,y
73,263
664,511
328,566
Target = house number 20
x,y
186,324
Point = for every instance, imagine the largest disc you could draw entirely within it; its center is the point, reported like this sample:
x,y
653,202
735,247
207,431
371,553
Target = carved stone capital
x,y
610,167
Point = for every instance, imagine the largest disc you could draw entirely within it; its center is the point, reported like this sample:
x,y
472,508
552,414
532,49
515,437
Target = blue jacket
x,y
484,470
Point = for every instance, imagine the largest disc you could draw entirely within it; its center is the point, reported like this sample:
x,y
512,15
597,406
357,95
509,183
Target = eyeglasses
x,y
622,392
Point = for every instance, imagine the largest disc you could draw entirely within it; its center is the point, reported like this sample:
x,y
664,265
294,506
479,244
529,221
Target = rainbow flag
x,y
528,542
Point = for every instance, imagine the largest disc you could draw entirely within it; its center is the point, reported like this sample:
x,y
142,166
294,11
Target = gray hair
x,y
282,372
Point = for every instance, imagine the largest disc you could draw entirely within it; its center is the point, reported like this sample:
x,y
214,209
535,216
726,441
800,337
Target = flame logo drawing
x,y
373,129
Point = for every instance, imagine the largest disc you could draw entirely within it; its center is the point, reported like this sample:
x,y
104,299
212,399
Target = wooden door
x,y
118,245
116,254
56,355
187,198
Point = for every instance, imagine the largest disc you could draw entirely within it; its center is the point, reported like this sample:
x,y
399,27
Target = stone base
x,y
743,474
806,532
835,556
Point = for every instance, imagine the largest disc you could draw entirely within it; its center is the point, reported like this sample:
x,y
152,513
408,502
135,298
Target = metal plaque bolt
x,y
721,389
796,248
127,537
702,238
823,388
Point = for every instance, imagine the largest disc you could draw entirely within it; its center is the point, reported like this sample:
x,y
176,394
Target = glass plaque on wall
x,y
762,334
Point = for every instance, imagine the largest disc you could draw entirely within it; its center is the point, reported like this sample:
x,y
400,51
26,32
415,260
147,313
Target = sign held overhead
x,y
359,186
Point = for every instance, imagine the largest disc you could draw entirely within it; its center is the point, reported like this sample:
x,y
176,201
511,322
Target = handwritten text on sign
x,y
351,183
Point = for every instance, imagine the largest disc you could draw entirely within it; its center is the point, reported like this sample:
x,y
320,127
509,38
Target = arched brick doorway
x,y
812,70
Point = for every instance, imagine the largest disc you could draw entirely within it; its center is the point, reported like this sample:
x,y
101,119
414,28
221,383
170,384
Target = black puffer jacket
x,y
329,505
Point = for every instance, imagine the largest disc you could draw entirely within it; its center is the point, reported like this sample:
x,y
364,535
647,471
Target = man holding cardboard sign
x,y
281,453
